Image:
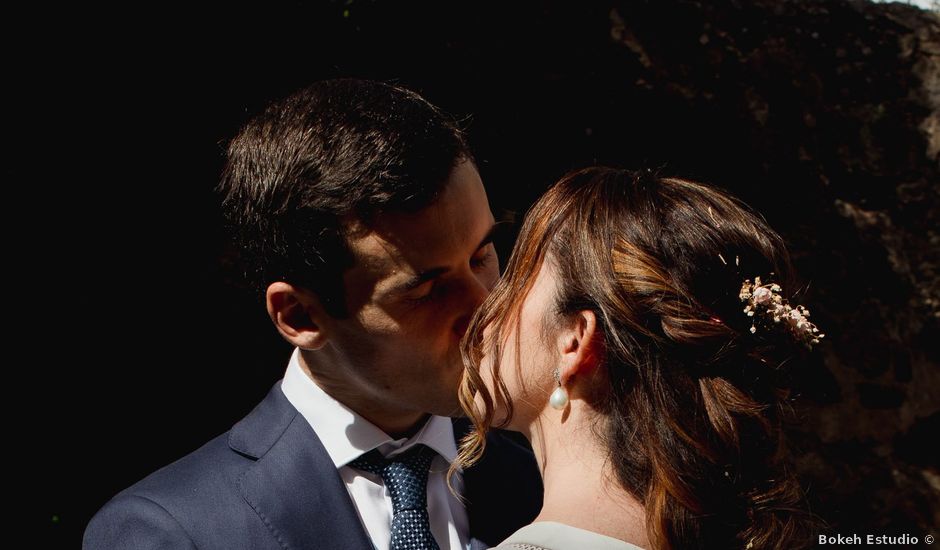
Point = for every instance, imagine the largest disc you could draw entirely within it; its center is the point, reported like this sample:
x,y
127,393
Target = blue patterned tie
x,y
406,477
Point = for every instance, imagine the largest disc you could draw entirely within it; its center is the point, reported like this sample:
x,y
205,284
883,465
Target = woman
x,y
633,341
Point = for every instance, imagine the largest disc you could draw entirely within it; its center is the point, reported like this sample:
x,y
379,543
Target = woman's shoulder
x,y
550,535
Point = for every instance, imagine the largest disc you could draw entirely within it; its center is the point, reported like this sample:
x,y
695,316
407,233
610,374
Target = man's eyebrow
x,y
435,272
488,238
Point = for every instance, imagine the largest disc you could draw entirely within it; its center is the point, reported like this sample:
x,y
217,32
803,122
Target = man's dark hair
x,y
335,149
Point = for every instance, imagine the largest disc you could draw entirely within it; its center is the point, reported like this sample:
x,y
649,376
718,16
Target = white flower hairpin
x,y
765,301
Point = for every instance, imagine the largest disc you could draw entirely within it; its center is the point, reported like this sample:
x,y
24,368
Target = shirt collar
x,y
345,434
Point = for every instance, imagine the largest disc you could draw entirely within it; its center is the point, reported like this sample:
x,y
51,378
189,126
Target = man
x,y
363,219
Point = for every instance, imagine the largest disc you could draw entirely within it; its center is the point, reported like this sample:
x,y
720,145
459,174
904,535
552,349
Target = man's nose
x,y
475,292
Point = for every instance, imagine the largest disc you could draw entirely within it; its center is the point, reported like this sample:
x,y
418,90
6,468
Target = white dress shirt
x,y
347,436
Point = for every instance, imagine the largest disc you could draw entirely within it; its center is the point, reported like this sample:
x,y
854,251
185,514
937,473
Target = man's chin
x,y
457,412
452,410
451,407
444,400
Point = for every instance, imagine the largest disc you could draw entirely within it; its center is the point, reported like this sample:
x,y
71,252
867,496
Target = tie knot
x,y
405,475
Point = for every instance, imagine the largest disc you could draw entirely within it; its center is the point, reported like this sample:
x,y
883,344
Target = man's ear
x,y
579,345
298,315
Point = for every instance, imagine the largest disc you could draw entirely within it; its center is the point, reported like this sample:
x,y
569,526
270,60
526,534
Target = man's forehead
x,y
379,254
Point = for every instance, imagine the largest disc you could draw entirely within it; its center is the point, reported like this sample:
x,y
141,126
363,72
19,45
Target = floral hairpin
x,y
764,300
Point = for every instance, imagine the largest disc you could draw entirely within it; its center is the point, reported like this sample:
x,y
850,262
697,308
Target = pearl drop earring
x,y
559,398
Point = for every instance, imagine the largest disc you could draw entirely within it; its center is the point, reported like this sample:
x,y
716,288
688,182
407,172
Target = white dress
x,y
549,535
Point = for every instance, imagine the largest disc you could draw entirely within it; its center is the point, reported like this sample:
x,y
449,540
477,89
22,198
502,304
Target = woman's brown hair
x,y
691,415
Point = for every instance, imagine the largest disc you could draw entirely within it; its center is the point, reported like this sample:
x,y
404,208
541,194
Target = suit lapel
x,y
297,492
293,485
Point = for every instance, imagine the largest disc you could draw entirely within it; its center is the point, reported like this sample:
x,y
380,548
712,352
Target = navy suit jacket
x,y
268,483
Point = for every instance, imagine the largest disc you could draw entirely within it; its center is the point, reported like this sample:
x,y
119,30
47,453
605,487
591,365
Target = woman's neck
x,y
581,489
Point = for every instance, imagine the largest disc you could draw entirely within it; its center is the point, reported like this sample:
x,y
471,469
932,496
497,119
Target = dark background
x,y
134,343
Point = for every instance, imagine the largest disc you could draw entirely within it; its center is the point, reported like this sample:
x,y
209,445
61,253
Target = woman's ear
x,y
298,315
579,345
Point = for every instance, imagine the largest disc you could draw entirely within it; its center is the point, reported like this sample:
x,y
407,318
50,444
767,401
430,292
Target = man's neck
x,y
397,423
